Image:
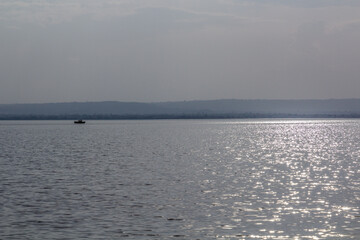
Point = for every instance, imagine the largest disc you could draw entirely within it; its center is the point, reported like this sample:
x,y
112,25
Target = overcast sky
x,y
169,50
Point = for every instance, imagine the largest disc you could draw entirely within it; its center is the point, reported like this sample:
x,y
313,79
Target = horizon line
x,y
178,101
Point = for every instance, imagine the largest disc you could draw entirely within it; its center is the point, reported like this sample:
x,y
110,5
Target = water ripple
x,y
264,179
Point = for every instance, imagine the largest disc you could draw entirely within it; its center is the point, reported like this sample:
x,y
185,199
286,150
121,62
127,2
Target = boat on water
x,y
79,121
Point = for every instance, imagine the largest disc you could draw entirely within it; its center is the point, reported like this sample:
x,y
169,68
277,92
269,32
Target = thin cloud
x,y
159,50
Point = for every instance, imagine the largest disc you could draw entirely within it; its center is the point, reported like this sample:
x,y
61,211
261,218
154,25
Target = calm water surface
x,y
203,179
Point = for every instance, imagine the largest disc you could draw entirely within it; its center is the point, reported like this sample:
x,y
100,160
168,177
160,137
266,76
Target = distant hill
x,y
185,109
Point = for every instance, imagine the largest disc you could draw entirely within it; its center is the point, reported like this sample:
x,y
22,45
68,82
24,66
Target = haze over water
x,y
184,179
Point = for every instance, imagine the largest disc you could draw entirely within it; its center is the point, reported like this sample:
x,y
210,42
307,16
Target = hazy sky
x,y
166,50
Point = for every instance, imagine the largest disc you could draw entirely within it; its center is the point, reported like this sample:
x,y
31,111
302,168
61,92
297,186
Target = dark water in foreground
x,y
291,179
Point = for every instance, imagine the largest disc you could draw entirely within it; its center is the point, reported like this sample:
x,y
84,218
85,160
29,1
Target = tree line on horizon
x,y
175,116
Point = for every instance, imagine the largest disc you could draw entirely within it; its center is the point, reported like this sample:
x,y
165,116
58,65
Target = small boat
x,y
79,121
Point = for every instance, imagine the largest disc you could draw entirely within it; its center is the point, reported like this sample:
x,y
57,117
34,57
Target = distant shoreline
x,y
181,116
211,109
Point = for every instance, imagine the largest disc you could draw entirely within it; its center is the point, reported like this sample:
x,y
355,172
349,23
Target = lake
x,y
180,179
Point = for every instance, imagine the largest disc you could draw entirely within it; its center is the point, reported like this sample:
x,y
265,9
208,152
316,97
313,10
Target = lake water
x,y
181,179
